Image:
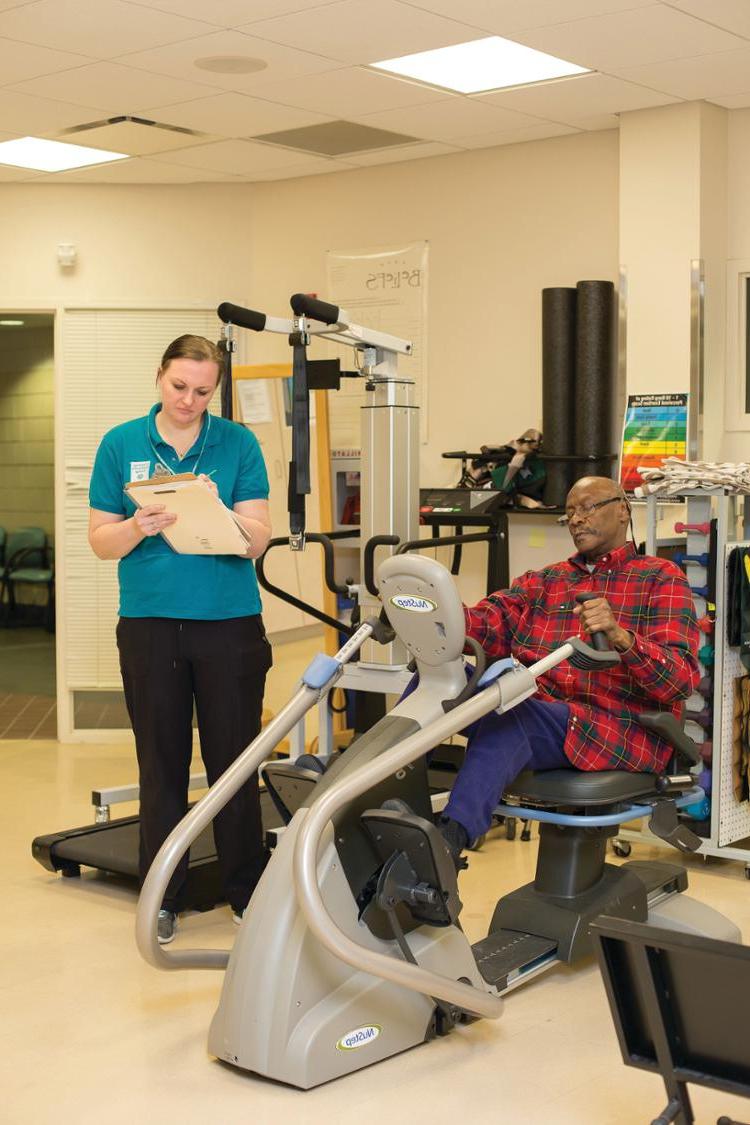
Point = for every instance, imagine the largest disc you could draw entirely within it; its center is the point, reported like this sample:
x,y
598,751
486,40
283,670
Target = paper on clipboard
x,y
204,525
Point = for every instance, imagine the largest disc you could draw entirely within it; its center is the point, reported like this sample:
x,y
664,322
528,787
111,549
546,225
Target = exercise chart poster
x,y
655,427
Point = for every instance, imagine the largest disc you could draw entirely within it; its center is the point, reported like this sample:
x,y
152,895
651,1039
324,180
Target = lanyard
x,y
159,462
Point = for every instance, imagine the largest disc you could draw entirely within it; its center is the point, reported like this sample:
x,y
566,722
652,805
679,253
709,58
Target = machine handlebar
x,y
305,305
243,318
599,639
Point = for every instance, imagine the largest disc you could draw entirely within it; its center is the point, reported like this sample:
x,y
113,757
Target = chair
x,y
679,1003
28,560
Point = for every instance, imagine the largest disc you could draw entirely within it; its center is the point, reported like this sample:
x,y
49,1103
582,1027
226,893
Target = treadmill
x,y
111,846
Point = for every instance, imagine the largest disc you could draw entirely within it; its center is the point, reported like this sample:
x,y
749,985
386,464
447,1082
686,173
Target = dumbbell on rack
x,y
706,624
701,528
697,560
706,655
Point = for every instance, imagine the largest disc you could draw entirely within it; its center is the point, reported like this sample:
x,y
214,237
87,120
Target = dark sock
x,y
454,834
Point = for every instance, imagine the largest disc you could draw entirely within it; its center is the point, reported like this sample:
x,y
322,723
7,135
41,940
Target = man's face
x,y
596,528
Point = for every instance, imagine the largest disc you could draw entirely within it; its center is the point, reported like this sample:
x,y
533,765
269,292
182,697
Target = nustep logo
x,y
360,1037
413,603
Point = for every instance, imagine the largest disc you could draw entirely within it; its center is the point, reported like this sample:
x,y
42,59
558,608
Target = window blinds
x,y
108,371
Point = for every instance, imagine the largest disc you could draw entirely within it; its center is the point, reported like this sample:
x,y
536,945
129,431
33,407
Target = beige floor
x,y
90,1033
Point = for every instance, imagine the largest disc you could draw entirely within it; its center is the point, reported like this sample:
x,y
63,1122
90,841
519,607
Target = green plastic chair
x,y
28,559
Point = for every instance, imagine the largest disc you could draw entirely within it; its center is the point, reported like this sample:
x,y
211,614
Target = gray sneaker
x,y
167,927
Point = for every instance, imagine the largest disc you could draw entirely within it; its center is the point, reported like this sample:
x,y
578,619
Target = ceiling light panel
x,y
480,65
41,155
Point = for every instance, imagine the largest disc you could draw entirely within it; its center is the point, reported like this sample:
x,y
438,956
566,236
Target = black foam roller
x,y
595,375
558,389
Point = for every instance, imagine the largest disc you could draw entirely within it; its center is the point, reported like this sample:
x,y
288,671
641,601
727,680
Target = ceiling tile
x,y
569,99
19,61
241,157
101,30
142,171
37,116
539,132
6,4
732,15
131,138
398,155
300,171
502,17
451,120
179,60
357,31
112,88
732,101
351,91
9,175
225,13
623,39
707,76
233,115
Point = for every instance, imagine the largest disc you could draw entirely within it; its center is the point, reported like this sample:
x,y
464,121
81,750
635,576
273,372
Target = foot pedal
x,y
665,824
418,869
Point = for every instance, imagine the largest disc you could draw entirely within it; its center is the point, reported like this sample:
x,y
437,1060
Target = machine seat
x,y
581,787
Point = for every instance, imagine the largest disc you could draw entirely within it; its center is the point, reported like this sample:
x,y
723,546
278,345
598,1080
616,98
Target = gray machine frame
x,y
308,974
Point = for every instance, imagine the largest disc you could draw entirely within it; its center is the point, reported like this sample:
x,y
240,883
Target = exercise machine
x,y
351,950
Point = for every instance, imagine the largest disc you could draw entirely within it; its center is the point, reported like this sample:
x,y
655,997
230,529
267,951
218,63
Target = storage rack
x,y
729,835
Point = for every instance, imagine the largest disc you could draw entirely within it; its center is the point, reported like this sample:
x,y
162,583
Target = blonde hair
x,y
193,347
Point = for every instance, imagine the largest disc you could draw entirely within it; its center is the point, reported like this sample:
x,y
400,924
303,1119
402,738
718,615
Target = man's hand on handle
x,y
596,617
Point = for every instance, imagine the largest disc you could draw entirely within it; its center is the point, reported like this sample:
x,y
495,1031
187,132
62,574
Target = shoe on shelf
x,y
167,927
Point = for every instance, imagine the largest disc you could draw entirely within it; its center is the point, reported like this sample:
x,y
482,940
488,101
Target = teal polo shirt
x,y
154,580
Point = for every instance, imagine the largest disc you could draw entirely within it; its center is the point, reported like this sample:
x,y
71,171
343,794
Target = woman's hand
x,y
207,480
152,519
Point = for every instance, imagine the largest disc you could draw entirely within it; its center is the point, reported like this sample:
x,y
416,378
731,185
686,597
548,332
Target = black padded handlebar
x,y
290,599
304,305
243,318
368,560
599,639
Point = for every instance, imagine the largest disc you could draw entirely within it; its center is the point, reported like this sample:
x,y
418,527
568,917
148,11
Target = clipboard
x,y
205,526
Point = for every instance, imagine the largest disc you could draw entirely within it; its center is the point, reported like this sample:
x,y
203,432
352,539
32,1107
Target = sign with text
x,y
655,427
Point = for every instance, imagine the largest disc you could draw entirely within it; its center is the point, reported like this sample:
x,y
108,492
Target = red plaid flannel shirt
x,y
649,597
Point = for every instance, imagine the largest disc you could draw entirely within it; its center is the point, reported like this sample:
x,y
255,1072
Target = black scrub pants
x,y
167,664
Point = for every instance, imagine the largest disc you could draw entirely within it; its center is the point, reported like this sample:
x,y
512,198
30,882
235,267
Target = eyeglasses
x,y
585,510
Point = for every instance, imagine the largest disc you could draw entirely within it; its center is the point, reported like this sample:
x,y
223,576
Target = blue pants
x,y
530,736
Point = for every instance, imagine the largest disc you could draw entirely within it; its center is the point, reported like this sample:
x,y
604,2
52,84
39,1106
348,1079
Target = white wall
x,y
501,223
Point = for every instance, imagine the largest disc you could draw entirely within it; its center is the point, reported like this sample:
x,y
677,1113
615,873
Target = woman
x,y
190,627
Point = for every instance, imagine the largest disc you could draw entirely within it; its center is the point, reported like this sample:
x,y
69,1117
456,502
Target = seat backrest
x,y
26,539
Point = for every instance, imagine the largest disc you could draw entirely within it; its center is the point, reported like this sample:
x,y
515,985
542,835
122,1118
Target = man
x,y
581,720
